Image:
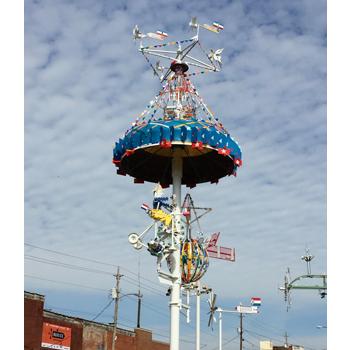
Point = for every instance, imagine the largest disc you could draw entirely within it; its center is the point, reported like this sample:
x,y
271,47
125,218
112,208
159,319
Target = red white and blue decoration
x,y
255,301
177,117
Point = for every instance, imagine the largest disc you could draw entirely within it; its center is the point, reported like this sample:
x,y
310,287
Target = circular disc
x,y
133,238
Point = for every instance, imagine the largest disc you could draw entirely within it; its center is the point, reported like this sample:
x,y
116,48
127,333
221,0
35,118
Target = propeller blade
x,y
213,301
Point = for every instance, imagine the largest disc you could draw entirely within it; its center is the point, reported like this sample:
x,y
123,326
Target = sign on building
x,y
56,337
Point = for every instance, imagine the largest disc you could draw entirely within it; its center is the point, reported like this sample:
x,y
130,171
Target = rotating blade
x,y
213,301
210,321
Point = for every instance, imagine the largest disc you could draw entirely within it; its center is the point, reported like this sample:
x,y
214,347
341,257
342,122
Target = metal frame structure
x,y
182,146
181,54
290,284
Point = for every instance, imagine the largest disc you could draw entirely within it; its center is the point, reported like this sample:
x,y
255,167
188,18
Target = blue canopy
x,y
208,151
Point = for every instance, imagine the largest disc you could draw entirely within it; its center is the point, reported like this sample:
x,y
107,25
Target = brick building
x,y
41,326
267,345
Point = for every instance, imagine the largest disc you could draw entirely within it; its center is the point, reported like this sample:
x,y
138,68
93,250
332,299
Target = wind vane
x,y
252,309
211,62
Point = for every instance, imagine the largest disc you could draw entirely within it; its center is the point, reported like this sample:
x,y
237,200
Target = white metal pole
x,y
188,320
220,329
175,302
198,316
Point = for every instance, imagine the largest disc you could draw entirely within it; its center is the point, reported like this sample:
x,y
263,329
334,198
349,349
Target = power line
x,y
151,308
246,340
265,336
61,264
50,307
280,341
70,255
227,342
63,282
148,306
152,289
103,310
122,324
87,259
99,289
82,268
264,327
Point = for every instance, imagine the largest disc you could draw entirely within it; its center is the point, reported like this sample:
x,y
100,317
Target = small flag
x,y
157,36
186,212
210,28
145,207
255,301
218,26
164,35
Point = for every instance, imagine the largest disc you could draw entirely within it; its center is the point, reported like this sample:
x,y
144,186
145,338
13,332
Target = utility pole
x,y
139,296
241,331
116,298
286,340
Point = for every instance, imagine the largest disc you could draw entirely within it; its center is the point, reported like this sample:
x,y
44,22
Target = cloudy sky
x,y
85,82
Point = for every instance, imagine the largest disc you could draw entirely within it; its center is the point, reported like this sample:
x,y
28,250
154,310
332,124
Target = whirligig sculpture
x,y
177,140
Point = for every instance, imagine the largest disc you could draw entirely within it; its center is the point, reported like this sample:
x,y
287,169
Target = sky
x,y
85,83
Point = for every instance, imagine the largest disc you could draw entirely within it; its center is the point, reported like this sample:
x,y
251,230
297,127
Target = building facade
x,y
45,329
267,345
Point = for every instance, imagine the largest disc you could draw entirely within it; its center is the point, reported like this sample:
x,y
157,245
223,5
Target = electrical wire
x,y
226,343
49,307
63,282
82,268
103,310
249,342
61,264
89,260
148,306
262,335
264,326
99,289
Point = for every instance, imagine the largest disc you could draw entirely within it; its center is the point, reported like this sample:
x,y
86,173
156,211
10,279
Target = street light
x,y
117,297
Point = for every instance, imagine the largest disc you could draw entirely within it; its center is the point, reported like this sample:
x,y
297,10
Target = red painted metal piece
x,y
223,253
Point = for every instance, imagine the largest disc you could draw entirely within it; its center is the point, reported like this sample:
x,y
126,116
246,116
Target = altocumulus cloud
x,y
85,83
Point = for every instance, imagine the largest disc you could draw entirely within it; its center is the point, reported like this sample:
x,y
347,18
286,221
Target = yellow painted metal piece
x,y
160,215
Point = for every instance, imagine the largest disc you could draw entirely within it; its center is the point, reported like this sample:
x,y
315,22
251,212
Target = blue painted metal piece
x,y
204,136
177,130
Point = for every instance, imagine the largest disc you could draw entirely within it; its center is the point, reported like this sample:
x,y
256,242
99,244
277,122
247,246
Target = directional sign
x,y
247,309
